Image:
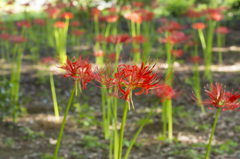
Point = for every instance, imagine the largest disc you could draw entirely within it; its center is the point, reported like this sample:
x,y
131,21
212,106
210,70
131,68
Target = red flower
x,y
4,36
112,10
112,57
40,22
177,53
126,8
200,26
75,23
219,98
67,15
135,17
99,53
216,16
100,38
175,38
166,92
112,18
61,5
118,38
133,77
170,27
48,60
136,50
193,14
137,4
137,39
79,70
95,12
10,2
78,32
59,24
17,39
222,30
195,59
24,23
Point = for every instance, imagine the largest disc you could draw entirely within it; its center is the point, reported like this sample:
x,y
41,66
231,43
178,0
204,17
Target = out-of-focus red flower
x,y
216,16
112,57
128,78
137,39
52,12
75,23
61,5
59,24
192,14
137,4
126,8
9,11
95,12
26,4
135,17
166,92
112,18
40,22
112,10
145,14
1,23
163,20
219,98
118,38
10,2
17,39
3,28
170,27
71,4
195,59
136,50
79,70
48,60
222,30
99,53
191,43
4,36
154,4
177,53
175,38
78,32
100,38
24,23
67,15
200,26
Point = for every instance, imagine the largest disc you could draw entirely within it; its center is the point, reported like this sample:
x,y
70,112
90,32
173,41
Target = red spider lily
x,y
24,23
3,28
133,77
112,57
75,23
10,2
79,70
99,53
52,12
4,36
200,26
170,27
191,43
177,53
135,17
163,20
219,98
112,18
78,32
126,8
175,38
216,16
48,60
100,38
112,10
193,14
137,4
17,39
118,38
195,59
26,4
154,4
61,5
40,22
95,12
67,15
166,92
222,30
1,23
137,39
59,24
148,16
71,4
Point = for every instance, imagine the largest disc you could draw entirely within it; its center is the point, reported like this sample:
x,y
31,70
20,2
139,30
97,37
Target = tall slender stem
x,y
63,123
122,129
55,105
213,129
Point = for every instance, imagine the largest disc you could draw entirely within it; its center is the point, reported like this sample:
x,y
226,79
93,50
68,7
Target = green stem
x,y
214,125
54,97
169,115
104,115
138,132
63,123
18,74
133,28
116,138
219,41
122,129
